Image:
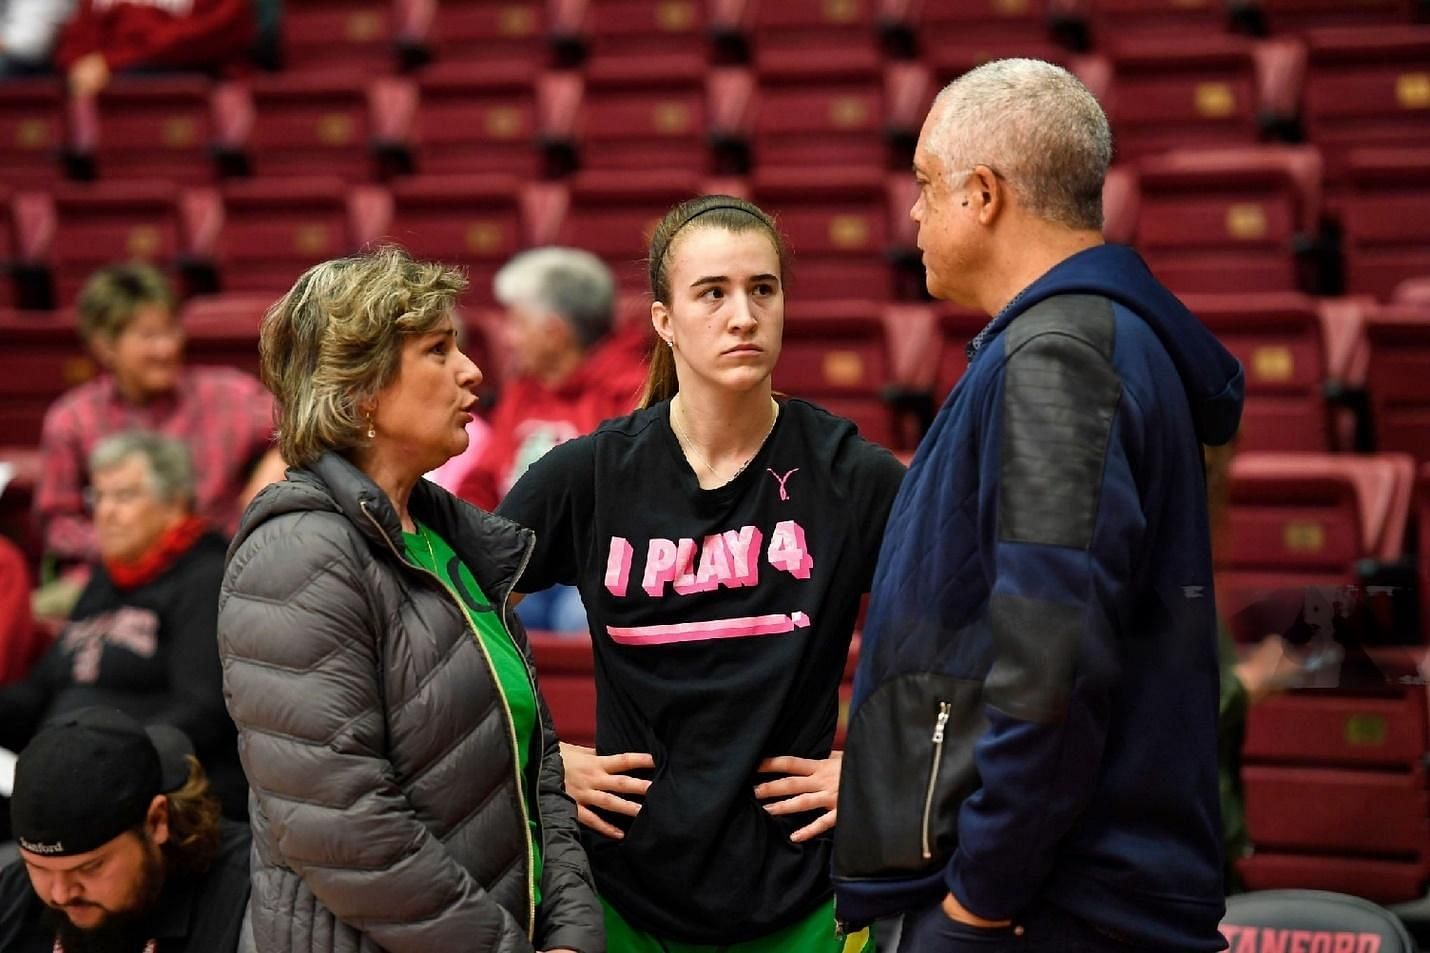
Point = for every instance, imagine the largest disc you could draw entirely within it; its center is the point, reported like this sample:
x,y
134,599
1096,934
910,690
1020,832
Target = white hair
x,y
171,469
569,282
1038,127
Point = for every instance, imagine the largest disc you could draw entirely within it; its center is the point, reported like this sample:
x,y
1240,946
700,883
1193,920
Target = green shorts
x,y
814,934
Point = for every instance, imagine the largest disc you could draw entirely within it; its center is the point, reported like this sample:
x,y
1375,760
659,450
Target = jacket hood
x,y
494,548
1211,376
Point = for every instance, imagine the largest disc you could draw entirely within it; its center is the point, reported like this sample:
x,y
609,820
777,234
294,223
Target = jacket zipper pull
x,y
943,711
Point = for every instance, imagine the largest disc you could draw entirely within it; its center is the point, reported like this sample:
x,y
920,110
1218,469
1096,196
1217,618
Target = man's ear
x,y
157,820
993,194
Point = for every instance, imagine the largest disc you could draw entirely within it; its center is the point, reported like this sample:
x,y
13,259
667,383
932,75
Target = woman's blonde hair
x,y
335,340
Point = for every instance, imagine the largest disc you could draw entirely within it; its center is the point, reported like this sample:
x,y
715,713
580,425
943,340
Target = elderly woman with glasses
x,y
407,782
141,637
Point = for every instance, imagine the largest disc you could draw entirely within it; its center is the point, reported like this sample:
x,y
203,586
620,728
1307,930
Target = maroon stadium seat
x,y
821,111
477,118
986,29
325,33
511,33
315,123
836,354
838,222
1367,87
223,329
811,30
476,222
628,121
1279,340
1335,785
32,133
42,358
76,229
1303,519
273,229
1178,90
1292,16
1386,219
1111,18
645,32
568,682
157,127
1227,220
1422,552
612,214
1399,378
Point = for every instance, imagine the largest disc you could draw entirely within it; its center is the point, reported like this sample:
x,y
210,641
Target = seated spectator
x,y
27,34
111,36
142,637
568,372
224,416
20,645
121,844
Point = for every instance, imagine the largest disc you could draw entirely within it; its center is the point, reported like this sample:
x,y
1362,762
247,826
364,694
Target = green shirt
x,y
431,552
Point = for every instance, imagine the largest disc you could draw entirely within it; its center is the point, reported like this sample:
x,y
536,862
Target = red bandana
x,y
175,541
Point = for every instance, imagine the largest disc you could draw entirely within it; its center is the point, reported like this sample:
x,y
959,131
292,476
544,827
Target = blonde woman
x,y
407,785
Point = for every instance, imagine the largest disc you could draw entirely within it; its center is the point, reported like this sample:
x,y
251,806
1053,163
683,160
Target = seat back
x,y
836,355
1387,218
1312,920
274,229
1399,378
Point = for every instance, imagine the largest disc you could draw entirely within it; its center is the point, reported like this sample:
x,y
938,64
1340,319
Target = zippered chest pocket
x,y
908,765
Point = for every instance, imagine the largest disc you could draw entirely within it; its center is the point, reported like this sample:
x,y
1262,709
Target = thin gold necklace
x,y
688,445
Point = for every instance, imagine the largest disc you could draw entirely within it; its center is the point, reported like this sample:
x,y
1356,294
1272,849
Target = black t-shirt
x,y
721,622
194,914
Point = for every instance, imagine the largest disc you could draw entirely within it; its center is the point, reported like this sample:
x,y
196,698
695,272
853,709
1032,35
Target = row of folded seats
x,y
1249,220
1341,90
536,33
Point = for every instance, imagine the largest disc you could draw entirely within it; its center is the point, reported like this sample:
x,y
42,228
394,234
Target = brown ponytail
x,y
714,211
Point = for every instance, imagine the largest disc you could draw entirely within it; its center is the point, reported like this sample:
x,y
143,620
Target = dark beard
x,y
126,932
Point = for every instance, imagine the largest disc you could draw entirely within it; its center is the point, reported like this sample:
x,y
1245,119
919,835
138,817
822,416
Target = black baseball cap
x,y
89,776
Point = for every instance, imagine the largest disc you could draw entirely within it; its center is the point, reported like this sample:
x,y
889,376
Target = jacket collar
x,y
494,548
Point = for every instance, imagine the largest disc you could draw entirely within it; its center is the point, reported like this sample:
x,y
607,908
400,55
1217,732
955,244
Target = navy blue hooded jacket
x,y
1034,715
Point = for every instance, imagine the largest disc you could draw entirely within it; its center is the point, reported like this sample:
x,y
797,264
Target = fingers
x,y
609,802
804,802
590,819
630,761
624,784
824,823
787,764
797,784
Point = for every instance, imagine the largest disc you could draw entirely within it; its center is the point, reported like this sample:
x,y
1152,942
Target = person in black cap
x,y
122,849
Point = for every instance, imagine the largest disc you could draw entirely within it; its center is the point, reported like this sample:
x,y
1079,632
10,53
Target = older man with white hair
x,y
1032,758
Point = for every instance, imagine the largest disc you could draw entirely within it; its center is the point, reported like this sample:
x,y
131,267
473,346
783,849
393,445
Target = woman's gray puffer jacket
x,y
385,807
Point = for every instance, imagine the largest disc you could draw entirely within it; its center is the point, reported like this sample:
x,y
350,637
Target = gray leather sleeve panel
x,y
1060,393
1035,647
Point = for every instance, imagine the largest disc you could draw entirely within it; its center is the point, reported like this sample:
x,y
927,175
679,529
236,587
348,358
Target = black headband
x,y
731,206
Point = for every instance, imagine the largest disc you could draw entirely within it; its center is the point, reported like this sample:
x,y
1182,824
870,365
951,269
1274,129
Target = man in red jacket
x,y
570,371
110,36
